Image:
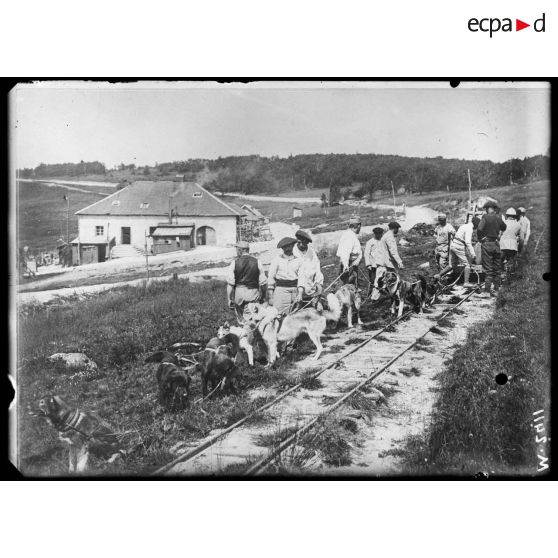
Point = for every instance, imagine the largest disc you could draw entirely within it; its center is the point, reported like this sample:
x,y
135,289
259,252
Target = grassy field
x,y
41,212
478,424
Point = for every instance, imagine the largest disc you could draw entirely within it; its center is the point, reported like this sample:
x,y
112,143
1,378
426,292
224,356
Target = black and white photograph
x,y
280,279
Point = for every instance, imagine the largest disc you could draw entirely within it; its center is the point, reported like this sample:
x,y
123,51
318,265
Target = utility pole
x,y
146,260
393,194
68,220
469,176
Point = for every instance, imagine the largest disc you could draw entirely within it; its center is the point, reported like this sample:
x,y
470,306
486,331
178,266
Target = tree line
x,y
369,172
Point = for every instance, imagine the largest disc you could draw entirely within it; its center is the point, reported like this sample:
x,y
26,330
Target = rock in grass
x,y
73,361
374,394
353,414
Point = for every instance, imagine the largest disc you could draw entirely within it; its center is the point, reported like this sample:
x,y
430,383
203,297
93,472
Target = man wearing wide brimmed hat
x,y
488,232
349,252
245,278
310,273
283,277
444,233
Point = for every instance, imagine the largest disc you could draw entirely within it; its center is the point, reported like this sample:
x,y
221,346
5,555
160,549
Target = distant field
x,y
41,213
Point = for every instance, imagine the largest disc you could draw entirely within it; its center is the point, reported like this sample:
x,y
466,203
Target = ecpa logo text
x,y
494,24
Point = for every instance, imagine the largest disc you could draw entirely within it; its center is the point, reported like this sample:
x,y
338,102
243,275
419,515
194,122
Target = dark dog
x,y
84,432
174,385
401,291
218,368
228,339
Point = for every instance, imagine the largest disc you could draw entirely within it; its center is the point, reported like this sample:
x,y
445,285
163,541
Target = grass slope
x,y
477,424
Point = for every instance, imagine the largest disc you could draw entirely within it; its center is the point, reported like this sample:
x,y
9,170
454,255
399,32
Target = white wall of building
x,y
224,226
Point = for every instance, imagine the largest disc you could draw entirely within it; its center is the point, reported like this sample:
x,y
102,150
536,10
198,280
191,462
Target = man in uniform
x,y
310,273
488,232
245,278
283,277
525,228
372,255
444,233
349,252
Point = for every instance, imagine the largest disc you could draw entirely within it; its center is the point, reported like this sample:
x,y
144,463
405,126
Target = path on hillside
x,y
265,250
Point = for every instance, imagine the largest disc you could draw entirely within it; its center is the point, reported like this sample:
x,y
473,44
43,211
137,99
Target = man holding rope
x,y
246,279
388,256
311,278
283,277
462,252
488,232
349,252
372,255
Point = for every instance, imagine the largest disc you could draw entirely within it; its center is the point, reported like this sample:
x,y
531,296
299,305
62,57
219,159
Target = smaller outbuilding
x,y
170,237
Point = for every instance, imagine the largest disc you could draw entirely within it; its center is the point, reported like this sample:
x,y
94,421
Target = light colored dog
x,y
265,319
348,297
310,321
244,335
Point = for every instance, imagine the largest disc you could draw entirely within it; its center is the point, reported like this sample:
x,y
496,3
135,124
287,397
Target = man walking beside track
x,y
283,277
245,278
372,255
311,277
388,256
462,253
525,228
488,232
444,232
511,239
349,252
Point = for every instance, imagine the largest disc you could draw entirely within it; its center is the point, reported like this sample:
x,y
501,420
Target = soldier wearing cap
x,y
488,233
283,279
388,256
511,238
310,273
525,227
245,278
373,254
444,233
349,252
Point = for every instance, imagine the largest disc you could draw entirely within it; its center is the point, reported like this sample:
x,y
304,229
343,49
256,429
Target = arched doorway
x,y
206,236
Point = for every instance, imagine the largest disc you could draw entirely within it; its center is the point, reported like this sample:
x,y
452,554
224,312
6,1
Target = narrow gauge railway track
x,y
234,445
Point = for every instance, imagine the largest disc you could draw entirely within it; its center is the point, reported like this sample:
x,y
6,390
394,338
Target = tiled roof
x,y
152,198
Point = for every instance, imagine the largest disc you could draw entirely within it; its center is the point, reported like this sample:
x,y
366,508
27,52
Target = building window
x,y
116,203
197,194
144,205
99,230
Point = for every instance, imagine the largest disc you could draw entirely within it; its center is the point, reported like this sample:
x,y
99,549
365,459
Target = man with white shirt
x,y
462,252
349,252
525,229
372,254
387,257
283,277
311,278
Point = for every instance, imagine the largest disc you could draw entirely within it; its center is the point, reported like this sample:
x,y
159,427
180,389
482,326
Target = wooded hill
x,y
369,172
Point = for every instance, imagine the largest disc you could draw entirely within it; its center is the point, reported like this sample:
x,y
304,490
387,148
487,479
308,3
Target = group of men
x,y
501,238
295,278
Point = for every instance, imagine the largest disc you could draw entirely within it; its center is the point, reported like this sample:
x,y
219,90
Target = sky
x,y
152,122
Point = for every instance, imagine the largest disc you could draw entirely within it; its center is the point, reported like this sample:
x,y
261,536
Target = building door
x,y
206,236
126,235
102,252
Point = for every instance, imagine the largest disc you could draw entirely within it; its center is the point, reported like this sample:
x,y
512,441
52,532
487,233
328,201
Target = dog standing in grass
x,y
173,380
401,291
84,432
